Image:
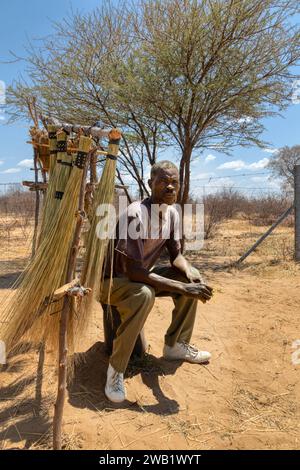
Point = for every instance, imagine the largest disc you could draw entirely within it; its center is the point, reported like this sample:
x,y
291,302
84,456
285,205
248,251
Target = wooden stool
x,y
111,323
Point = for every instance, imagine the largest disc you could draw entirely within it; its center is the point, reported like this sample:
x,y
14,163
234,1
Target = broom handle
x,y
63,340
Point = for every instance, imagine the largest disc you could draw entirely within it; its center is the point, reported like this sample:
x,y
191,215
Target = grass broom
x,y
24,311
57,183
91,275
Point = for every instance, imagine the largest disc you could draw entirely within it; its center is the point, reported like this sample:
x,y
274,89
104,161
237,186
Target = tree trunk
x,y
184,179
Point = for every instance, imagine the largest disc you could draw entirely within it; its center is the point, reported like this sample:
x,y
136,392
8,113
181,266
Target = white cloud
x,y
233,165
1,162
258,165
210,158
241,165
27,163
11,170
268,150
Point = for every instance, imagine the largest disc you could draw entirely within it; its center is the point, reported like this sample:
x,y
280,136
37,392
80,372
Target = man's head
x,y
164,182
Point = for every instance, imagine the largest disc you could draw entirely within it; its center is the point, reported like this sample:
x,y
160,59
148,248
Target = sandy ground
x,y
246,398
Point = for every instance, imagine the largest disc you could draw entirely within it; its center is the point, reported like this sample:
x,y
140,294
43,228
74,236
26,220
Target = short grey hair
x,y
162,165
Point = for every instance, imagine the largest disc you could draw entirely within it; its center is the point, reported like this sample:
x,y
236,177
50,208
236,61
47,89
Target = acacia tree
x,y
72,78
282,165
212,69
191,73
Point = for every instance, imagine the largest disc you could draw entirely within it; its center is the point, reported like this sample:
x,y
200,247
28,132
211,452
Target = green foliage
x,y
191,73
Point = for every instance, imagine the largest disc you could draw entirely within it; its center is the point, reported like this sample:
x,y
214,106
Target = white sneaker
x,y
114,388
185,352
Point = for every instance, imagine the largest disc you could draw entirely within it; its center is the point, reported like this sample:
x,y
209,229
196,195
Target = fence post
x,y
297,211
265,235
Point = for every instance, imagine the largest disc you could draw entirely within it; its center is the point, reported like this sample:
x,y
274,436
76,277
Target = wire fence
x,y
251,209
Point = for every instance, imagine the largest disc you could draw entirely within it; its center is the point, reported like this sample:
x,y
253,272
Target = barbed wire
x,y
230,176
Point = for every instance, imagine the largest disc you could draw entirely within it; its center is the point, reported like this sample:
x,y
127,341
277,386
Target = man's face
x,y
165,186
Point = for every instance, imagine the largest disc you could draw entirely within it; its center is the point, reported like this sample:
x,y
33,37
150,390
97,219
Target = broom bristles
x,y
96,247
43,276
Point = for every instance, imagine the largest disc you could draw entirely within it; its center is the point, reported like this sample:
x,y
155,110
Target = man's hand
x,y
197,291
193,275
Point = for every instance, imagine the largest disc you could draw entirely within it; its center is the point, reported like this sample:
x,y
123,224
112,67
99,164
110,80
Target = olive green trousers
x,y
134,302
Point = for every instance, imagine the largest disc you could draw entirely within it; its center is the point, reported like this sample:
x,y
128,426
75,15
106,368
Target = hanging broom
x,y
57,182
49,321
96,246
26,309
65,162
52,182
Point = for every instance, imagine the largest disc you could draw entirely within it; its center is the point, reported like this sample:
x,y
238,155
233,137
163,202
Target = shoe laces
x,y
190,349
117,382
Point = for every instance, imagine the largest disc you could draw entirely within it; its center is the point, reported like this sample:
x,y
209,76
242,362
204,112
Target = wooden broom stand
x,y
63,349
69,149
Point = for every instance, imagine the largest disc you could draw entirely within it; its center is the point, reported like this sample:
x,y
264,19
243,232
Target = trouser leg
x,y
134,302
184,312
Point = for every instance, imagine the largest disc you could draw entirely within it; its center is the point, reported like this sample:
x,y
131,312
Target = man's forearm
x,y
156,281
181,263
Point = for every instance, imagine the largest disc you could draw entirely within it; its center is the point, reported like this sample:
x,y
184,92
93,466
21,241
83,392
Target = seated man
x,y
135,282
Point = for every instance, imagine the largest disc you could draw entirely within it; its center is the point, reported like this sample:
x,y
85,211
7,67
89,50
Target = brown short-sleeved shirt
x,y
142,233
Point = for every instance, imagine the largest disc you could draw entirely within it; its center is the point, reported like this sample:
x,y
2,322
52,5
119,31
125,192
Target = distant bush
x,y
229,203
18,202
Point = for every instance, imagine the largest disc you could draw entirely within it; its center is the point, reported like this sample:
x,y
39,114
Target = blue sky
x,y
21,21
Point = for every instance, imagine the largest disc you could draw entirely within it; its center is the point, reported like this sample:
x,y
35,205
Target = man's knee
x,y
147,294
183,278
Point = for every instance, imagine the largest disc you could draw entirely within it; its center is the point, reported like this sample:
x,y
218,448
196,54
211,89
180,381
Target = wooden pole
x,y
93,167
93,131
264,236
63,339
37,203
297,211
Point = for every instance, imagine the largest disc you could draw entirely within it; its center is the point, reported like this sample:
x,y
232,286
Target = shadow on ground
x,y
86,389
24,412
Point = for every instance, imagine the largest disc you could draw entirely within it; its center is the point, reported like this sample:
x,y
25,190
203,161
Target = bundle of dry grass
x,y
57,182
26,311
98,238
64,160
52,183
